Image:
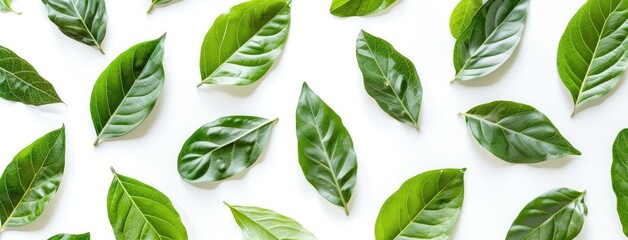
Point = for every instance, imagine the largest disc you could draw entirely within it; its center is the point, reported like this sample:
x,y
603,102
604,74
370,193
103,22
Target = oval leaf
x,y
558,215
65,236
31,180
5,6
126,92
223,148
390,78
82,20
619,175
260,223
326,152
490,39
462,16
155,3
592,52
348,8
20,82
139,211
244,43
517,133
425,207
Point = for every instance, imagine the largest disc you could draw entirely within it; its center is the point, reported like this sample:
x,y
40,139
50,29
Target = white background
x,y
321,51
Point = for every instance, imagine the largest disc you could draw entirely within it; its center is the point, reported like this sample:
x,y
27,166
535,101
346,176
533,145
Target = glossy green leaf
x,y
65,236
555,215
462,16
592,55
82,20
326,152
223,148
244,42
425,207
5,6
20,82
490,39
126,92
619,176
259,223
31,180
517,133
155,3
348,8
390,78
139,211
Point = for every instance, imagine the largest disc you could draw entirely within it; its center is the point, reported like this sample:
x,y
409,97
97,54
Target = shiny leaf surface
x,y
139,211
347,8
82,20
490,39
65,236
259,223
425,207
517,133
244,42
20,82
592,55
223,148
326,152
31,180
555,215
462,16
390,78
126,92
619,176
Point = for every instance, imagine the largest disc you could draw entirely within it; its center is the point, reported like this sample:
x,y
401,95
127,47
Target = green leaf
x,y
517,133
31,180
5,6
462,16
223,148
126,92
139,211
619,176
20,82
155,3
425,207
557,215
326,152
592,55
348,8
390,78
490,39
244,42
260,223
65,236
82,20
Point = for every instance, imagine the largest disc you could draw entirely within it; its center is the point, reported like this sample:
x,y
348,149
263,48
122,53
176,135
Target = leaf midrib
x,y
266,123
247,217
554,214
135,205
29,84
80,17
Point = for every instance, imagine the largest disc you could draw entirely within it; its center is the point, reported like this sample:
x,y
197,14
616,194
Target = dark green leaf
x,y
462,16
425,207
31,180
223,148
155,3
259,223
490,39
619,176
517,133
592,52
390,78
126,92
82,20
139,211
348,8
65,236
20,82
326,152
556,215
5,6
244,42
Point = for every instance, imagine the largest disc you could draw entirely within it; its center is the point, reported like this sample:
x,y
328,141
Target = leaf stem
x,y
96,141
113,170
101,50
346,209
199,85
150,9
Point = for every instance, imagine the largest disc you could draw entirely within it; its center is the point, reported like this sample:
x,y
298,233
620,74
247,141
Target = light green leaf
x,y
259,223
326,152
244,42
126,92
31,180
592,55
348,8
5,6
223,148
139,211
462,16
82,20
619,177
65,236
425,207
155,3
555,215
